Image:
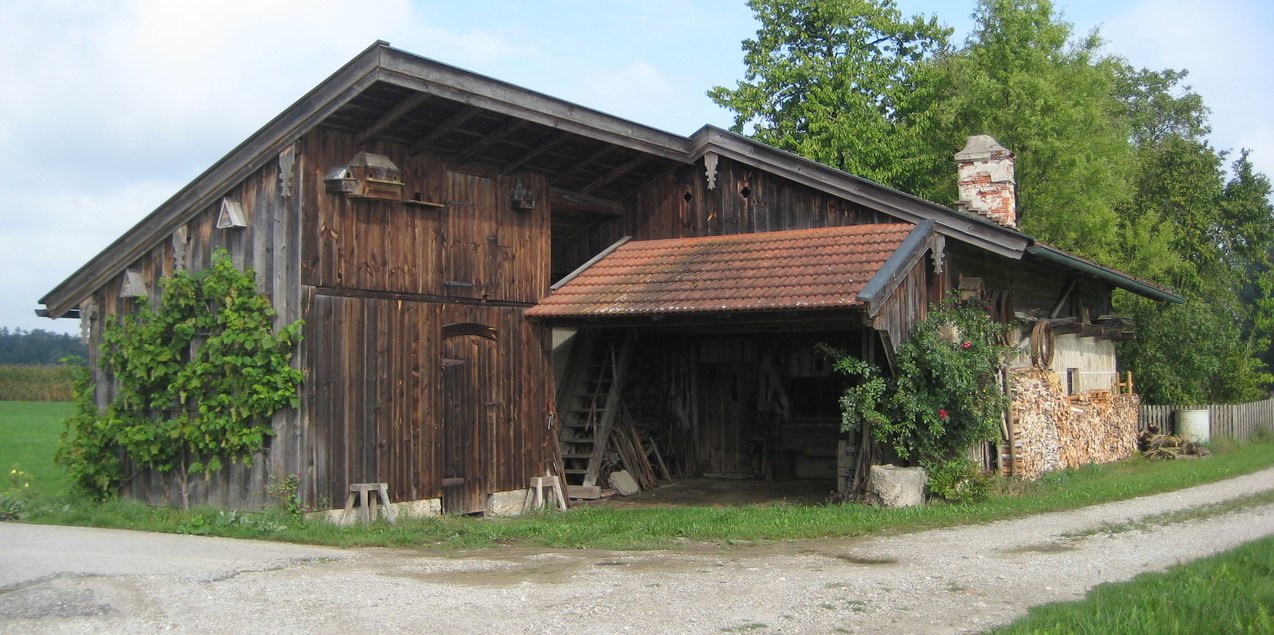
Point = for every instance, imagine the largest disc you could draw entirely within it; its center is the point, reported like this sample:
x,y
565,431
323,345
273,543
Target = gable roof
x,y
593,156
785,270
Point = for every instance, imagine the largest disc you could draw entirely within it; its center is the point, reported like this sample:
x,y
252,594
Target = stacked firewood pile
x,y
1052,430
1038,406
1104,428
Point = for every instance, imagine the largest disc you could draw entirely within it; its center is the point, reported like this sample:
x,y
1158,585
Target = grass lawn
x,y
1229,593
31,431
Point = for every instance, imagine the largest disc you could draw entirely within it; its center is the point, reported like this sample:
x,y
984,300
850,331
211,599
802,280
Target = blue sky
x,y
108,107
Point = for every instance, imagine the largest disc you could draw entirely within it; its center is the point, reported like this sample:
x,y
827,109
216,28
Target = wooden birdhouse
x,y
133,286
367,175
231,215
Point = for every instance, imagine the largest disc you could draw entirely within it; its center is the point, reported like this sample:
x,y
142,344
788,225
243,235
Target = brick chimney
x,y
985,170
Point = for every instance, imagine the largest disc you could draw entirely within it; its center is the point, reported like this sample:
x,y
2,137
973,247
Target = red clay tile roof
x,y
786,270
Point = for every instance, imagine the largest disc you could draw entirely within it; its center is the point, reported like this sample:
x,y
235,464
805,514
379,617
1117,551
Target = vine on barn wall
x,y
197,380
944,398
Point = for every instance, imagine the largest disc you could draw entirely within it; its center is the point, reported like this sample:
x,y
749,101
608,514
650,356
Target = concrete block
x,y
510,503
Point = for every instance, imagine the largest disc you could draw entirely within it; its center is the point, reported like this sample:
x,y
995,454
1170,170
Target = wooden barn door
x,y
468,372
727,416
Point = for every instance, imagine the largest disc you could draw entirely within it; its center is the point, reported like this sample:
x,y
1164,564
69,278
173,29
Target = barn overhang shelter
x,y
439,231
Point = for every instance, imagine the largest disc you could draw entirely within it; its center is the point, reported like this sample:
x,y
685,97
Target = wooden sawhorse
x,y
367,502
535,493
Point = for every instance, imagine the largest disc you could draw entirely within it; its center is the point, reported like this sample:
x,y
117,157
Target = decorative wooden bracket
x,y
937,252
710,169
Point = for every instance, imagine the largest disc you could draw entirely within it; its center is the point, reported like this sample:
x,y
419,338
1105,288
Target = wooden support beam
x,y
1061,300
394,114
496,136
566,199
579,165
617,172
447,125
540,148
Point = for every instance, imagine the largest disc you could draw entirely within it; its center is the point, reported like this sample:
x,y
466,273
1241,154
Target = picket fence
x,y
1234,421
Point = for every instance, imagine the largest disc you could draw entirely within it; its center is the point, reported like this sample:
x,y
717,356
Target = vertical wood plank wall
x,y
745,200
383,279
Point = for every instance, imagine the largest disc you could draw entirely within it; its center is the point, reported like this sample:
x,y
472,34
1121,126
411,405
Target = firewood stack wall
x,y
1053,430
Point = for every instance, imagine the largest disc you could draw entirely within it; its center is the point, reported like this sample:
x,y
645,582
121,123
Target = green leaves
x,y
197,380
945,395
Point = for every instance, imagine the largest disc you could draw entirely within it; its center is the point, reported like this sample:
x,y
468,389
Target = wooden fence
x,y
1238,421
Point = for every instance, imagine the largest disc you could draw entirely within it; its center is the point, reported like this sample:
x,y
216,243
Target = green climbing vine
x,y
197,379
944,397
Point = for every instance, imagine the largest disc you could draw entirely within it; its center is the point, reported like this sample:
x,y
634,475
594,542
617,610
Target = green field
x,y
30,431
36,383
1229,593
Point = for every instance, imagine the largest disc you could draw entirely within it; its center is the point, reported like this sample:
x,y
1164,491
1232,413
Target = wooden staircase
x,y
589,401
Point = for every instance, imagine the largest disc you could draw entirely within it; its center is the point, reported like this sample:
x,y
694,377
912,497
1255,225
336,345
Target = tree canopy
x,y
1113,161
37,346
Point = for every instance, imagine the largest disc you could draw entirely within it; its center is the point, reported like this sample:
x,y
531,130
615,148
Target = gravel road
x,y
963,579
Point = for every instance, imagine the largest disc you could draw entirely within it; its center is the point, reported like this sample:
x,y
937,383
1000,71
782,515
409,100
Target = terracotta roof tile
x,y
786,270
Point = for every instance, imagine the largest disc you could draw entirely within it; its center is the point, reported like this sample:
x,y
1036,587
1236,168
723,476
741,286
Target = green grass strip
x,y
1228,593
37,426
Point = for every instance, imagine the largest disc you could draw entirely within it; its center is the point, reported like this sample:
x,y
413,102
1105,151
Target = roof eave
x,y
976,231
258,149
891,274
1114,277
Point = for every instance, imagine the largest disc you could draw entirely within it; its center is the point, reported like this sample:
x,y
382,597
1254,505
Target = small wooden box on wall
x,y
367,175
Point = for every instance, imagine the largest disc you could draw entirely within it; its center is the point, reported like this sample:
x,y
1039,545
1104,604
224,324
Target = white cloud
x,y
107,108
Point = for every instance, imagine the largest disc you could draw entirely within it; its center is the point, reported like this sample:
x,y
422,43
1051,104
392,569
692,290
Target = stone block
x,y
898,486
624,483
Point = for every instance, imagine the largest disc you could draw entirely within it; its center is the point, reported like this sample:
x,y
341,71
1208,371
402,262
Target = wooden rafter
x,y
617,172
394,114
560,198
450,123
579,165
541,148
496,136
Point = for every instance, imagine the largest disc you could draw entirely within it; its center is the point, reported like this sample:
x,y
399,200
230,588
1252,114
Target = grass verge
x,y
1228,593
604,527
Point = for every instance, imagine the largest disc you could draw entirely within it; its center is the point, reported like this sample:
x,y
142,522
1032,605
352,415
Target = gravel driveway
x,y
964,579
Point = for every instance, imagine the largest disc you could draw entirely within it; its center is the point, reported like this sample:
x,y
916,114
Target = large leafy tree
x,y
1210,239
829,79
1113,162
1024,79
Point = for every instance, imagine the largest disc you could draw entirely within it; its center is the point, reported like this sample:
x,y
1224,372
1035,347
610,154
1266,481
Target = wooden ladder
x,y
589,402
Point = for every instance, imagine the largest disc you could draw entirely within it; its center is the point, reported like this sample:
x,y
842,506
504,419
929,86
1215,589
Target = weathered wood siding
x,y
1227,421
475,247
745,200
907,305
376,398
388,398
1033,285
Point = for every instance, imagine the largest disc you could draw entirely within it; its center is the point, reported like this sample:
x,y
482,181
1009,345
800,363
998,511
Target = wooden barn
x,y
496,284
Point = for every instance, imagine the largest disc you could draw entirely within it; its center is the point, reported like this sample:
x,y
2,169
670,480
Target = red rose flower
x,y
942,413
966,345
